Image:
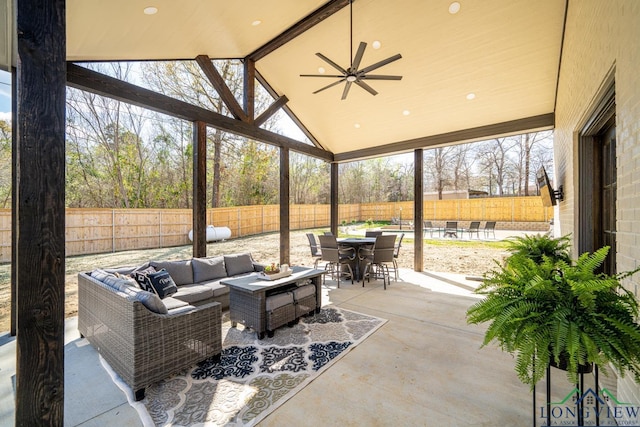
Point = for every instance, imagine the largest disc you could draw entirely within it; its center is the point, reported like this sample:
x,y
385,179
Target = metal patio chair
x,y
474,227
490,227
378,258
451,229
396,252
337,258
315,250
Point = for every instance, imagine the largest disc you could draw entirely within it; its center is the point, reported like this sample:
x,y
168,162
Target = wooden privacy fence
x,y
91,231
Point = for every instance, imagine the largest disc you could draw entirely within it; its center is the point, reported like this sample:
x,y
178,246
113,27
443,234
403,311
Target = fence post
x,y
113,230
239,222
160,228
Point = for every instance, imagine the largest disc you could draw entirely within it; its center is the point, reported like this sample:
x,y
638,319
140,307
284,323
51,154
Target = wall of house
x,y
602,42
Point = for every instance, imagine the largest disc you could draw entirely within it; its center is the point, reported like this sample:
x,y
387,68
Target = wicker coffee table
x,y
248,295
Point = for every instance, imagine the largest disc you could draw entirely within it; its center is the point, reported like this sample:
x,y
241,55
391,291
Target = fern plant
x,y
543,308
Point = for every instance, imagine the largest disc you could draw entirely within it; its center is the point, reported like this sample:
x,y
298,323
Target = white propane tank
x,y
214,233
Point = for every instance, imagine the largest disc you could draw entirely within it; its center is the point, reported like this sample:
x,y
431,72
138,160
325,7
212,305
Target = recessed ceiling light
x,y
321,70
376,44
256,22
454,8
150,10
406,112
471,96
356,125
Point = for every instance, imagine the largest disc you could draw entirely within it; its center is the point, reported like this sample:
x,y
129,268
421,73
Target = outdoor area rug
x,y
254,376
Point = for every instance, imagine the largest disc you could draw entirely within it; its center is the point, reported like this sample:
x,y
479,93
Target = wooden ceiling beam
x,y
101,84
309,21
271,110
221,87
513,127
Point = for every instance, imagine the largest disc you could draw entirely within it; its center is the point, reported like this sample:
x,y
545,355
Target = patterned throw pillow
x,y
142,277
162,283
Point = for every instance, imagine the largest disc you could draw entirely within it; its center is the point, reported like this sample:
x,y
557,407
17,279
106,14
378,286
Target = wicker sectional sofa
x,y
146,339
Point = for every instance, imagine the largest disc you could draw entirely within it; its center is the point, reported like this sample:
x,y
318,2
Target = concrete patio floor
x,y
424,367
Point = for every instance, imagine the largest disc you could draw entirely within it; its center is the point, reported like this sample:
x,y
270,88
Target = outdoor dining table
x,y
356,243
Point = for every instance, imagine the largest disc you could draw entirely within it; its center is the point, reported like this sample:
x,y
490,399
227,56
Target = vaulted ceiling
x,y
504,52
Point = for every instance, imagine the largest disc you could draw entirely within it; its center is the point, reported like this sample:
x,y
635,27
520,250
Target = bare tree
x,y
439,167
5,163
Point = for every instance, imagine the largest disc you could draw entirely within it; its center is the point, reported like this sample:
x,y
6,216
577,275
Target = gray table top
x,y
357,240
252,283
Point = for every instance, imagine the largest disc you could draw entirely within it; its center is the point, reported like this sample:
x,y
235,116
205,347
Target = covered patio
x,y
424,367
470,71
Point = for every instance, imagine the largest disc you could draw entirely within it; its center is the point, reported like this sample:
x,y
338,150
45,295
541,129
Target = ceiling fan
x,y
353,74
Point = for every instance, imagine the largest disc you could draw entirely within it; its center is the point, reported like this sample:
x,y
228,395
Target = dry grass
x,y
470,258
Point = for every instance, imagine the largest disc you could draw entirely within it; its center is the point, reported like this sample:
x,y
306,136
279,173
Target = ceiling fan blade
x,y
345,92
330,62
328,86
380,77
366,87
379,64
336,76
358,57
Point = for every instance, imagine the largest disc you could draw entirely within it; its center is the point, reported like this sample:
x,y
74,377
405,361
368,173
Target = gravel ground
x,y
448,256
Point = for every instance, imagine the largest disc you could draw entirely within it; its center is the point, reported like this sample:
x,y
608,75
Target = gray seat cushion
x,y
180,271
279,300
218,289
173,303
193,293
304,291
238,264
206,269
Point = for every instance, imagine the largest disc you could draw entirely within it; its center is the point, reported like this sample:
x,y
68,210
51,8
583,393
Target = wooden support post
x,y
199,189
14,200
418,210
285,225
249,89
333,199
41,86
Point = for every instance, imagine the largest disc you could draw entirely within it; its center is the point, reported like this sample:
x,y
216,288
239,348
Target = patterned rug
x,y
254,376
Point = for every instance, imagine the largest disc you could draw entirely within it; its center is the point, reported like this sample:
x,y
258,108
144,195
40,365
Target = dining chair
x,y
315,250
427,226
337,258
396,252
377,260
490,227
371,233
474,227
451,229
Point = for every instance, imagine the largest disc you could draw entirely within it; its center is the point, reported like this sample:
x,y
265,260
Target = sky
x,y
5,93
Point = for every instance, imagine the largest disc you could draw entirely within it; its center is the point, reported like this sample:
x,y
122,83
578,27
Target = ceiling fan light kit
x,y
353,74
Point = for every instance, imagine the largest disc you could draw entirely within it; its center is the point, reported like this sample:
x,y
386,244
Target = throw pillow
x,y
128,278
142,277
101,275
180,271
238,264
206,269
162,283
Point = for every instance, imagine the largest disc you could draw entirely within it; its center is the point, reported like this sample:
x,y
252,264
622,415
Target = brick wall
x,y
602,42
